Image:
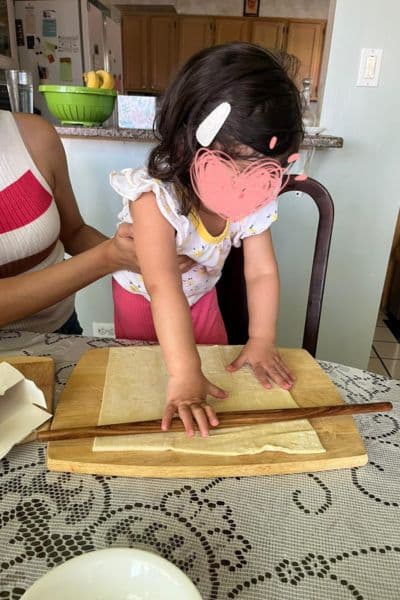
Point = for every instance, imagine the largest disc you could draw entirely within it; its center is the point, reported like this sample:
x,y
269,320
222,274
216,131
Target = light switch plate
x,y
370,66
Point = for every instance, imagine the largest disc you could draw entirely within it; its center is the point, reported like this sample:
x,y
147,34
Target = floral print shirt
x,y
192,238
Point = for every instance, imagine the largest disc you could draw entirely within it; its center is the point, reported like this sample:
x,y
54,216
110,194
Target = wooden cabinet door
x,y
162,51
305,40
230,29
195,33
268,33
134,52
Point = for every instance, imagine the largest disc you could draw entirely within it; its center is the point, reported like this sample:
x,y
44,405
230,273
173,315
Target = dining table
x,y
319,535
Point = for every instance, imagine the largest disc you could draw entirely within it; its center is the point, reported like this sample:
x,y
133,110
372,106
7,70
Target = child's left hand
x,y
266,363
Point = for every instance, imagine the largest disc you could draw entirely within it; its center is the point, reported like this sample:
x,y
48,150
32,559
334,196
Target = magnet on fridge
x,y
43,73
19,31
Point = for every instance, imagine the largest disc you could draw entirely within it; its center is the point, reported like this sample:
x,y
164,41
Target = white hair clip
x,y
210,126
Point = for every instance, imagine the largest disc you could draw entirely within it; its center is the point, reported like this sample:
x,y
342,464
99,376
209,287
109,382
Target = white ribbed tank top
x,y
29,222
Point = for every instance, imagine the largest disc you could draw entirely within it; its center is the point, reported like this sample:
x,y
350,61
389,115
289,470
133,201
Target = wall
x,y
99,205
302,9
361,179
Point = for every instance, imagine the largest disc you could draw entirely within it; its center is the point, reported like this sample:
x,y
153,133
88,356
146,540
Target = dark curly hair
x,y
264,103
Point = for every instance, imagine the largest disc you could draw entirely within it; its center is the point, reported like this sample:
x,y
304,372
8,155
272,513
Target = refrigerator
x,y
58,40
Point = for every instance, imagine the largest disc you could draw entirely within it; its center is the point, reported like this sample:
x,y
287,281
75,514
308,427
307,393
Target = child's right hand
x,y
187,396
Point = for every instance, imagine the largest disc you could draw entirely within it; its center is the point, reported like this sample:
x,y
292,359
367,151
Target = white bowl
x,y
114,574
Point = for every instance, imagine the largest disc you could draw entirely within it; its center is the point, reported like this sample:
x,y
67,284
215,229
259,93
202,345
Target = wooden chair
x,y
231,288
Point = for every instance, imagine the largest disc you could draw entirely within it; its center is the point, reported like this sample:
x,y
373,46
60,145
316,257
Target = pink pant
x,y
133,319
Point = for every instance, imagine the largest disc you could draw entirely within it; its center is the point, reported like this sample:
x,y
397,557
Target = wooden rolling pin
x,y
227,419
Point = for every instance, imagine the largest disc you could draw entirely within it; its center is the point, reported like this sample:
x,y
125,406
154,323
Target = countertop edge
x,y
146,135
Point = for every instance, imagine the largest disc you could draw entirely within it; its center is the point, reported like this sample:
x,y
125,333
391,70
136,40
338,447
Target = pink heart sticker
x,y
229,192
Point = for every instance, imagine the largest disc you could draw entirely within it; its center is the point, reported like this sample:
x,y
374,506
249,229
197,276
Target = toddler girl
x,y
227,126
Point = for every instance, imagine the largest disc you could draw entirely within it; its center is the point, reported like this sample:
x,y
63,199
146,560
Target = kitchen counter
x,y
146,135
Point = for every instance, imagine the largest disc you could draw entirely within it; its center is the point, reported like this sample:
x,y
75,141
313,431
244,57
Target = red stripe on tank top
x,y
22,202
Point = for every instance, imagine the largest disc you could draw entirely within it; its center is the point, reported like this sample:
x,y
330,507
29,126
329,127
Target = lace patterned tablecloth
x,y
328,535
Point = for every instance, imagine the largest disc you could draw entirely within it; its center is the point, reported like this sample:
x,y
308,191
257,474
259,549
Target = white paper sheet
x,y
22,407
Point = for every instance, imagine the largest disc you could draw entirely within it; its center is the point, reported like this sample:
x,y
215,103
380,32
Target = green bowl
x,y
79,105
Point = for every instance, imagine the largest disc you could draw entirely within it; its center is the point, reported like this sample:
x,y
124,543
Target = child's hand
x,y
187,395
266,363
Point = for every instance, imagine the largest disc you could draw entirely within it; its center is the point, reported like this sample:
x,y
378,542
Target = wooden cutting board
x,y
80,404
40,369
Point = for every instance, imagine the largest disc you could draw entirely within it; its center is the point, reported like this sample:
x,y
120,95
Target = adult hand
x,y
187,396
266,363
123,248
185,263
125,253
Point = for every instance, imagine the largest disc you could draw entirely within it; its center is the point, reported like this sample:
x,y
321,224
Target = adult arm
x,y
26,294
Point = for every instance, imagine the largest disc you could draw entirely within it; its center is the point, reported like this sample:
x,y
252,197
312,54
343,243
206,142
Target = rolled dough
x,y
134,390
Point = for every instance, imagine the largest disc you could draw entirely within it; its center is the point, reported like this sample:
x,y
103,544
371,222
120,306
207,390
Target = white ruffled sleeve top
x,y
192,238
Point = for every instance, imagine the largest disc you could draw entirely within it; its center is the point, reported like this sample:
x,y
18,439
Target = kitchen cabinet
x,y
230,29
194,34
135,52
269,33
305,40
156,44
162,52
149,51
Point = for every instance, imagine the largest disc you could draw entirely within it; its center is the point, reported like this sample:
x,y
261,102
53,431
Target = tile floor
x,y
385,351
